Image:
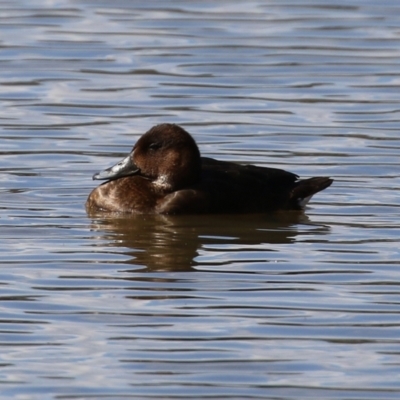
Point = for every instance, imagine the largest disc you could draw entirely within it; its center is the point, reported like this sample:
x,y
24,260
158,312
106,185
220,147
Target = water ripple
x,y
221,307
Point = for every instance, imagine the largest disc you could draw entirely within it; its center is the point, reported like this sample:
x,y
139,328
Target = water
x,y
238,307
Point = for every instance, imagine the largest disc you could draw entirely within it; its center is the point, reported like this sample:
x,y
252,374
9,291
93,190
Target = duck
x,y
165,174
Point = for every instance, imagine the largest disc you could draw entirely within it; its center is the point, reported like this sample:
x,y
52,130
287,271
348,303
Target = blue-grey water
x,y
219,307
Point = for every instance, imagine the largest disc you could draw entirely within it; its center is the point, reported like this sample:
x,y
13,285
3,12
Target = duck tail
x,y
306,188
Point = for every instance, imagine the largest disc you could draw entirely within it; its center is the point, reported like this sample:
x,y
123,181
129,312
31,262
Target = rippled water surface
x,y
219,307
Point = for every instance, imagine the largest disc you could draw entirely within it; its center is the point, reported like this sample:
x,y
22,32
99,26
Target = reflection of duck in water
x,y
164,174
180,243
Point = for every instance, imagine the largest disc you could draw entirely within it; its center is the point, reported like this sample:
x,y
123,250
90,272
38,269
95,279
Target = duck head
x,y
166,154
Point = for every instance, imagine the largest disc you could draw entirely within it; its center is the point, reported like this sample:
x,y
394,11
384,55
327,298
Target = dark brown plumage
x,y
164,174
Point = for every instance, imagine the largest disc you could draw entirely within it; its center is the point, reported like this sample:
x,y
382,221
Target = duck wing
x,y
248,188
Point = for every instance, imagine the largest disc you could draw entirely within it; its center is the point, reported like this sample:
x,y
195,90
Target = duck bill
x,y
124,168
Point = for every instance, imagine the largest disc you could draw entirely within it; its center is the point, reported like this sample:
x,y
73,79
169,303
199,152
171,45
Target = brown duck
x,y
165,174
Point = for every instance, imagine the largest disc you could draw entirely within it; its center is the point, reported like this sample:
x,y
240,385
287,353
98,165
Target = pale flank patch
x,y
303,202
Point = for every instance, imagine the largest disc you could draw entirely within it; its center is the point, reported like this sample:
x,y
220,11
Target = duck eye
x,y
154,146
